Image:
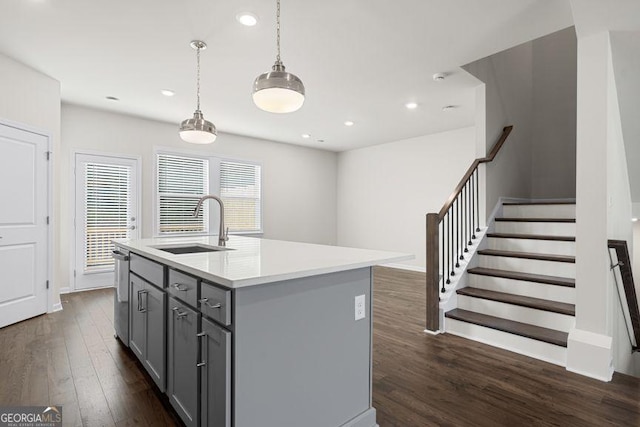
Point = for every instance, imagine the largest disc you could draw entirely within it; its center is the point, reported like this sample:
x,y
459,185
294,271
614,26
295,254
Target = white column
x,y
590,345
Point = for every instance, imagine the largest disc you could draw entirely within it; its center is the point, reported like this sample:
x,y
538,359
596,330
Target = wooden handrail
x,y
467,220
624,262
492,155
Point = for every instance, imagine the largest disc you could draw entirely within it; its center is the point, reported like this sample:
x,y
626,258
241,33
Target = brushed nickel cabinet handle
x,y
177,286
206,302
179,314
204,360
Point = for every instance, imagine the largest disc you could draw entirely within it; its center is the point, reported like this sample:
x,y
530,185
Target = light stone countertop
x,y
253,261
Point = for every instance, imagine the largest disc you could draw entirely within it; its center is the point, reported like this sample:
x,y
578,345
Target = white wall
x,y
619,213
532,87
385,191
32,98
625,52
299,184
508,80
553,155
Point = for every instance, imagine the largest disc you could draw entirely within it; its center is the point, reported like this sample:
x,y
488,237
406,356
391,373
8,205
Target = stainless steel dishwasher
x,y
121,295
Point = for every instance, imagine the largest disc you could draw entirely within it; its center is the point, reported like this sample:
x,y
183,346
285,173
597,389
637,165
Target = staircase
x,y
521,296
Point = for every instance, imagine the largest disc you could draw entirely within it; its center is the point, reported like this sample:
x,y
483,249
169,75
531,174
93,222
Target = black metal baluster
x,y
473,211
466,216
443,259
477,205
448,241
451,236
456,203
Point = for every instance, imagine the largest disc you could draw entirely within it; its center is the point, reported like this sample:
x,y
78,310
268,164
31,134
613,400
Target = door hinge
x,y
74,273
47,220
48,155
47,284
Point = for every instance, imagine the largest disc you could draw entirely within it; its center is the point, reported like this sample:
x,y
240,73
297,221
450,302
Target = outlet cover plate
x,y
360,307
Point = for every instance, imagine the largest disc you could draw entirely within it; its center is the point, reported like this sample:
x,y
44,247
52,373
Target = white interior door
x,y
106,206
24,183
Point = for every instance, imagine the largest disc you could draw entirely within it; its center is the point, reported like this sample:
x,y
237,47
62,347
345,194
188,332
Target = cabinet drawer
x,y
183,287
215,303
149,270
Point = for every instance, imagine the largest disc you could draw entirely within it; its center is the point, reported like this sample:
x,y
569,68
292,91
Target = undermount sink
x,y
190,249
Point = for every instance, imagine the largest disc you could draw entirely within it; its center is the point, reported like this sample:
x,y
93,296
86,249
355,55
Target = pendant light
x,y
197,130
278,91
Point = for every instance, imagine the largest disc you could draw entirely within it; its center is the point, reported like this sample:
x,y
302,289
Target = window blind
x,y
181,182
107,204
240,190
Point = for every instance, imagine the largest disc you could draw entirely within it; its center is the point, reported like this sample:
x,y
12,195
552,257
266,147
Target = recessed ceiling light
x,y
449,107
411,105
167,92
112,98
349,123
306,136
247,19
634,219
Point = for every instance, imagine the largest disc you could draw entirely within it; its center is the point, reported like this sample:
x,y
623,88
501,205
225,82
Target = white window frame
x,y
248,162
214,188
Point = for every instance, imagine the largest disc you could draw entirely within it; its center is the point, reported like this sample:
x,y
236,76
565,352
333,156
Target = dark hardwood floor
x,y
425,380
71,358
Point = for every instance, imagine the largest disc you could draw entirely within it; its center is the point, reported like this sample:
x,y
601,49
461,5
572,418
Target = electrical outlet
x,y
360,307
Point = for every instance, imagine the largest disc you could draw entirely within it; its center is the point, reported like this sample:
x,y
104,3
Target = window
x,y
183,179
107,210
181,182
240,190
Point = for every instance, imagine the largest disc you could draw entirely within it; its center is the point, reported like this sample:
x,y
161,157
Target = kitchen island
x,y
259,333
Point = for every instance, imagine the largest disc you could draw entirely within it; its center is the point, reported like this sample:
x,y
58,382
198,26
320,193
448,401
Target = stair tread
x,y
515,219
527,277
550,336
536,203
528,255
531,237
520,300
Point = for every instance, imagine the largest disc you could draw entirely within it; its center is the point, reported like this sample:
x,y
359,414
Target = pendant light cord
x,y
278,30
198,79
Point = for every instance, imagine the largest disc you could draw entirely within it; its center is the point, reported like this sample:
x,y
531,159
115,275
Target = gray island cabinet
x,y
260,333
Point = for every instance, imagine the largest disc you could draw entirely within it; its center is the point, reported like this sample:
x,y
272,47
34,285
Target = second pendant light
x,y
278,91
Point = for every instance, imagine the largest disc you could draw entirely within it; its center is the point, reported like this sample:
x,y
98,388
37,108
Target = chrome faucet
x,y
222,233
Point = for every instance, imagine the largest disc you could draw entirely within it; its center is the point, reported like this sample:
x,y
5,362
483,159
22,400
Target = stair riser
x,y
531,316
543,228
529,347
534,266
539,211
528,289
535,246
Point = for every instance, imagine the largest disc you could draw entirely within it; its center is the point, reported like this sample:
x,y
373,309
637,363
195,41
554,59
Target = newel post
x,y
433,277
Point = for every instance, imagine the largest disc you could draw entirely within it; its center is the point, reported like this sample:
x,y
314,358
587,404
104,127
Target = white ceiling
x,y
360,60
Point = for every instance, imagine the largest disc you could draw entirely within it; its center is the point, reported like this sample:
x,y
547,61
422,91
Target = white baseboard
x,y
56,307
590,354
438,332
65,290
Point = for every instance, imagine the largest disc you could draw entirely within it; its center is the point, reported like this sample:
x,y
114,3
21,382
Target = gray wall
x,y
508,78
532,87
554,115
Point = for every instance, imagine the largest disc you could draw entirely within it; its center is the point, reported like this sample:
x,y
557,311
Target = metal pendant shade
x,y
278,91
197,130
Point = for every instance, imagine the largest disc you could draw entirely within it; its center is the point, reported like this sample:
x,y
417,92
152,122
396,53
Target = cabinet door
x,y
154,304
215,376
137,318
182,386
